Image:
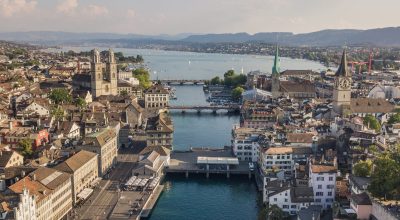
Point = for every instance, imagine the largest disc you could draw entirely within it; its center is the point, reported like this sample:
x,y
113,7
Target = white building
x,y
245,144
26,209
156,97
292,199
322,178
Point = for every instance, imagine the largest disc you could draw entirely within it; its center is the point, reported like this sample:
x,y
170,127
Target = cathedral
x,y
104,79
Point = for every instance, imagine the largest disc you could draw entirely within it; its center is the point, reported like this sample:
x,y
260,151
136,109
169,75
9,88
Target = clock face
x,y
345,83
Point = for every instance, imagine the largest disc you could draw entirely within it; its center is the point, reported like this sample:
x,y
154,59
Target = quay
x,y
207,161
181,81
214,109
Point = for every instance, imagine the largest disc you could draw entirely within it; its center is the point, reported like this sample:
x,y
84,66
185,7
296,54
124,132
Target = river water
x,y
198,197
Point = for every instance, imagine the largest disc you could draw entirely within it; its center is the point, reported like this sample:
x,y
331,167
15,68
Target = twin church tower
x,y
104,79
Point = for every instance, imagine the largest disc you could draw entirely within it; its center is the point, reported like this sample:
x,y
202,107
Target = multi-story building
x,y
159,131
83,167
255,115
52,190
13,134
291,199
322,178
245,143
156,97
279,158
10,159
104,143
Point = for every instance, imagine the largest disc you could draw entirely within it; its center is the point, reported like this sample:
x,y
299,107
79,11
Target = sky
x,y
196,16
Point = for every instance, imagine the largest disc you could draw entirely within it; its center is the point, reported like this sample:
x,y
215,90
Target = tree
x,y
124,93
275,213
143,76
215,81
229,73
372,122
26,147
385,179
58,113
237,93
59,96
80,102
394,118
363,168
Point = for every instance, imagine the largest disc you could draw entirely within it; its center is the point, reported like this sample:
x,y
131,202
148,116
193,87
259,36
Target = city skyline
x,y
165,17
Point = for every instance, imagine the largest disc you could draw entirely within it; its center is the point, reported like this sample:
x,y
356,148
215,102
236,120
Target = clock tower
x,y
342,87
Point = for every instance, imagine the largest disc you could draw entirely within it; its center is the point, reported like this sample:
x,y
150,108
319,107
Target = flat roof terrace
x,y
207,161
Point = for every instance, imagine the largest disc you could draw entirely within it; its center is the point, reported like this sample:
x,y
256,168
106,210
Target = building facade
x,y
83,168
104,143
156,97
342,87
103,80
322,178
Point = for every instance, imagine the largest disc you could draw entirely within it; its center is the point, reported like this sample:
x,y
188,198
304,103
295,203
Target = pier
x,y
206,162
182,81
199,108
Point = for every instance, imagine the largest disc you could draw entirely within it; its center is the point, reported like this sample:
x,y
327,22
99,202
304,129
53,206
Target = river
x,y
198,197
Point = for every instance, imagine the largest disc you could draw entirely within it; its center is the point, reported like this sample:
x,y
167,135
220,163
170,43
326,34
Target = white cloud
x,y
96,10
10,7
67,6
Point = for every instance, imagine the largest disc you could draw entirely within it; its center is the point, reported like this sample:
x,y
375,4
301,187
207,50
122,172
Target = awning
x,y
218,160
85,193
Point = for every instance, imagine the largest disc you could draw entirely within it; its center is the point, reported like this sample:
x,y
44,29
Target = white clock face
x,y
345,83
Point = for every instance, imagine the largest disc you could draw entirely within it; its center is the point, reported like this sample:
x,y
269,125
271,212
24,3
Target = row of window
x,y
322,194
321,178
327,186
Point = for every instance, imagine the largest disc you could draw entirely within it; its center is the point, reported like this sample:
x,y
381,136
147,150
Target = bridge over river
x,y
213,108
182,81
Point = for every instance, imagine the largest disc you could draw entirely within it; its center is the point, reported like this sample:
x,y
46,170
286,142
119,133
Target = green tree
x,y
58,113
59,96
372,122
394,118
143,76
237,93
215,81
26,147
124,93
363,168
385,178
80,102
275,213
229,73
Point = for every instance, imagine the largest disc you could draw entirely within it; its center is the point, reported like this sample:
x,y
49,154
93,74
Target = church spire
x,y
343,69
276,68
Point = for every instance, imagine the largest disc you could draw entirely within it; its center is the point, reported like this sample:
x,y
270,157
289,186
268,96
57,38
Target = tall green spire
x,y
276,68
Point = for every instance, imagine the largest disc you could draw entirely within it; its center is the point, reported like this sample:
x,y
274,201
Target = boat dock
x,y
207,161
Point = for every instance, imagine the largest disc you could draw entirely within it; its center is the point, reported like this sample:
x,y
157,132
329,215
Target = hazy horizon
x,y
172,17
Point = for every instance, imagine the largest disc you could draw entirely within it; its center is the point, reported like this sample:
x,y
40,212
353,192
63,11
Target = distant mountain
x,y
380,37
66,37
389,36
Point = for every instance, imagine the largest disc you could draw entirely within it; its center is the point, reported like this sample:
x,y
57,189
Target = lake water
x,y
190,65
198,197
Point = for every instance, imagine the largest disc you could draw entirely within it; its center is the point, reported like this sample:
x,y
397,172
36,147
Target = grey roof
x,y
343,69
360,182
361,199
310,212
302,194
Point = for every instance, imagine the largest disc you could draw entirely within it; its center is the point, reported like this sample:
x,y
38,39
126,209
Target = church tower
x,y
111,70
342,87
275,83
97,74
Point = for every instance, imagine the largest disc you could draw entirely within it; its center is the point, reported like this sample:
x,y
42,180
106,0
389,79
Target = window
x,y
317,200
330,186
320,178
329,193
286,200
319,186
331,178
293,206
285,206
275,199
319,193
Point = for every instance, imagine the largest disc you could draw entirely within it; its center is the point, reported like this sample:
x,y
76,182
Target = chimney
x,y
10,125
23,173
34,177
